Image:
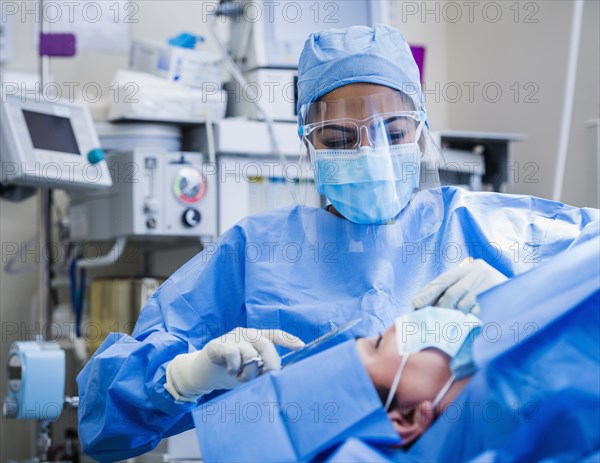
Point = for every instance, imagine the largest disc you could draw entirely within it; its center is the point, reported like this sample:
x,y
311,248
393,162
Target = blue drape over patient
x,y
537,396
303,270
295,414
540,357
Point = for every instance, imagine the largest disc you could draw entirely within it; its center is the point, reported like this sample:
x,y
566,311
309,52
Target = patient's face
x,y
424,375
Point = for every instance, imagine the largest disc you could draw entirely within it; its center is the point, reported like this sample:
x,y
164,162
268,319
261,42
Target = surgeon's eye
x,y
337,136
337,143
397,137
333,139
400,130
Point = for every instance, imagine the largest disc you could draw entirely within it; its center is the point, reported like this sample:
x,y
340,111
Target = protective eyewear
x,y
386,129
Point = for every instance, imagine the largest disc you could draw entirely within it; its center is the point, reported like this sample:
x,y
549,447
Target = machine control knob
x,y
151,223
191,217
10,407
151,206
96,155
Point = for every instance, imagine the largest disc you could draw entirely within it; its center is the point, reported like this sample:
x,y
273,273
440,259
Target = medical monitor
x,y
49,143
279,29
51,133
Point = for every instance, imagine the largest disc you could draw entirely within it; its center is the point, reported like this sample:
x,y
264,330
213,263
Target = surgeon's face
x,y
360,102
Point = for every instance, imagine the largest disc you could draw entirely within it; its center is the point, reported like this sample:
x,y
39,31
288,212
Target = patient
x,y
429,380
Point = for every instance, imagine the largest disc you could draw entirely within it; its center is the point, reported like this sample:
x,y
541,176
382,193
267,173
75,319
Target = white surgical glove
x,y
226,362
459,287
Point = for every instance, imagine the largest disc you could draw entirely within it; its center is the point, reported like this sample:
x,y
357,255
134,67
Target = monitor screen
x,y
52,133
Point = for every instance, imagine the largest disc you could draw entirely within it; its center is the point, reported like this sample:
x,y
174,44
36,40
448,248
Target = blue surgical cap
x,y
338,57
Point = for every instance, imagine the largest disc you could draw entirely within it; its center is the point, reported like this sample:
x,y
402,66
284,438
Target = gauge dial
x,y
189,185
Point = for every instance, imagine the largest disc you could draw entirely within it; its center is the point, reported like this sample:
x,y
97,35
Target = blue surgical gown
x,y
306,271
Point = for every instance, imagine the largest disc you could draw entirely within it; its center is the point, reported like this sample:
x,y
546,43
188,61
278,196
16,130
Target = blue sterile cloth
x,y
356,451
296,413
537,396
306,271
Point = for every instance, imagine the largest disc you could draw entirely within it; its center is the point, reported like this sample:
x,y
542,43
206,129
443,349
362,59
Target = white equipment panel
x,y
232,136
251,178
279,29
274,89
156,193
250,186
52,144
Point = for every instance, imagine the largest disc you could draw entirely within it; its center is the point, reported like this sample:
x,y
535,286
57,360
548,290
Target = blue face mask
x,y
368,186
450,331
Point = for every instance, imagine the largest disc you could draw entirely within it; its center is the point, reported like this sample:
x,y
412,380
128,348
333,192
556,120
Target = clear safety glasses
x,y
378,130
377,120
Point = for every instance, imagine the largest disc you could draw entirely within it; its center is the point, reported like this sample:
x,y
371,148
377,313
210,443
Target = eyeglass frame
x,y
305,130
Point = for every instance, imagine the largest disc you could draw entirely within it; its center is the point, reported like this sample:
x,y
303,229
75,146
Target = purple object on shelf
x,y
57,44
418,53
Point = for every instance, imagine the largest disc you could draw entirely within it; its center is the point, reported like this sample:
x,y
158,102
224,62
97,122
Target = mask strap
x,y
443,391
395,383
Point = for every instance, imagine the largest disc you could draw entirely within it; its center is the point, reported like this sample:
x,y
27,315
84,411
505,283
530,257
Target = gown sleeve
x,y
124,409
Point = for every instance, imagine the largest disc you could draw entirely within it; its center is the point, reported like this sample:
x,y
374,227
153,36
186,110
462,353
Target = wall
x,y
422,28
532,55
582,174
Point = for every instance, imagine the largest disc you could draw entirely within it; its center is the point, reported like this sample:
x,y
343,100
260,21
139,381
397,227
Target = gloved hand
x,y
227,361
458,288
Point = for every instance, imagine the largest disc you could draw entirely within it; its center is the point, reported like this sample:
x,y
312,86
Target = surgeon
x,y
390,239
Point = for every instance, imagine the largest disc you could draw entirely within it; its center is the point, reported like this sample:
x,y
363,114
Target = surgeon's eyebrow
x,y
390,119
341,128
